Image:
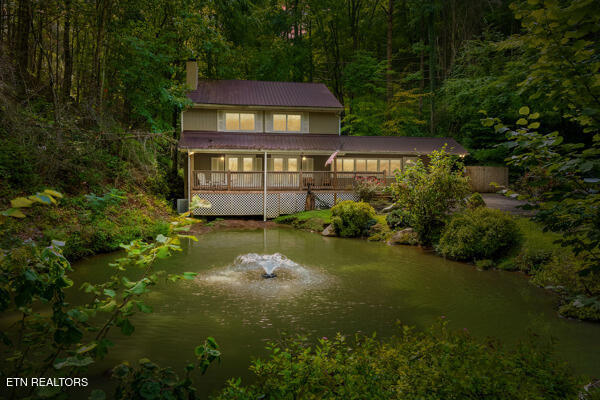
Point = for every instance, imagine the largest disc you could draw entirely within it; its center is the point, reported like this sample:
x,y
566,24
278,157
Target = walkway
x,y
501,202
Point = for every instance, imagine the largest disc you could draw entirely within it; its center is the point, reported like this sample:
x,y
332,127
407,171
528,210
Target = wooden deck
x,y
280,181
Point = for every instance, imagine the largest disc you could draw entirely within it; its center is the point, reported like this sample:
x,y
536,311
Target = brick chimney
x,y
191,74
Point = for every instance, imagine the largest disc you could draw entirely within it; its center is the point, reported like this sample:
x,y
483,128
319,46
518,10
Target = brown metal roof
x,y
260,93
198,140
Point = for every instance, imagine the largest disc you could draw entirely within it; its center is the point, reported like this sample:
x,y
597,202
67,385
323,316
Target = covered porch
x,y
283,172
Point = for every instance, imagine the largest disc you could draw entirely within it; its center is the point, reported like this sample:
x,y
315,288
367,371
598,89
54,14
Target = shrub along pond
x,y
324,286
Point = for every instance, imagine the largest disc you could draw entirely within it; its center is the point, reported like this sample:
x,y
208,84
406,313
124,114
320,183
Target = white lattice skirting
x,y
251,203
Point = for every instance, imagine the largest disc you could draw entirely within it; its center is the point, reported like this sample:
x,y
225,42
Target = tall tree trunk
x,y
40,57
22,43
432,70
389,48
68,59
422,83
2,6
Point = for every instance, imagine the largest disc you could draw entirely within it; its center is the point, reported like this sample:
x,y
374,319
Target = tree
x,y
572,207
427,193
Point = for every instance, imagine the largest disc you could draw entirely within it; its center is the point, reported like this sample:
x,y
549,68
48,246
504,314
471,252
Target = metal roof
x,y
210,140
261,93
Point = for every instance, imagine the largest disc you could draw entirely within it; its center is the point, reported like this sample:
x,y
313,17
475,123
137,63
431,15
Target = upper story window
x,y
287,122
235,121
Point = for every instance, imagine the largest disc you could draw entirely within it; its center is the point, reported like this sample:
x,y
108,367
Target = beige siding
x,y
199,120
324,122
202,161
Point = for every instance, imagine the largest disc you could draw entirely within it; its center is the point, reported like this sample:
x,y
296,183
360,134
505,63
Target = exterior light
x,y
222,158
303,158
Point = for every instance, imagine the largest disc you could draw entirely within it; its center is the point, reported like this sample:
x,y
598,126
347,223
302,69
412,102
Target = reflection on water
x,y
323,286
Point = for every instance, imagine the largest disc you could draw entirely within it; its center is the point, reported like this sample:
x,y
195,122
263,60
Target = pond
x,y
323,286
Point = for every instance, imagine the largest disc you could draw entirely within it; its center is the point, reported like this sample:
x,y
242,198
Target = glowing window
x,y
279,122
395,165
232,121
384,165
293,122
287,122
247,122
239,122
372,165
278,164
361,165
248,163
348,165
292,164
233,164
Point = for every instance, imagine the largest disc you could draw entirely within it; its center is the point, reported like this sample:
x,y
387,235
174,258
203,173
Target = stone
x,y
389,208
329,231
405,236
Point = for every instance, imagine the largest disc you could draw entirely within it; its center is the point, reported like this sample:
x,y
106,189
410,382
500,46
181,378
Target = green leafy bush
x,y
531,260
429,192
482,233
398,219
352,219
484,264
474,201
564,273
64,339
438,364
581,307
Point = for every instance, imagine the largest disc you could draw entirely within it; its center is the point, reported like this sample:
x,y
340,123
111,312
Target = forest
x,y
110,73
91,97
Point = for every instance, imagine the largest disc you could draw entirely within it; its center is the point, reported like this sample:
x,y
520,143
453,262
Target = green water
x,y
343,286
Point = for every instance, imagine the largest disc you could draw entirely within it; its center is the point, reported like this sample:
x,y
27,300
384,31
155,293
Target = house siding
x,y
324,123
200,120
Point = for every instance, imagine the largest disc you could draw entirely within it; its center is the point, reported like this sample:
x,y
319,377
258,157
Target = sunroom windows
x,y
348,164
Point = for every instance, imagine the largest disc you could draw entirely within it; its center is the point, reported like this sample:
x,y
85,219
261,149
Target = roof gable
x,y
262,93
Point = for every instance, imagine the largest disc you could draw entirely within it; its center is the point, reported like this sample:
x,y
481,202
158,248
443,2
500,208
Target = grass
x,y
303,216
534,236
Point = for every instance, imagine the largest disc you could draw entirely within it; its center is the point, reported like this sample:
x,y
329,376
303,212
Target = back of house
x,y
257,148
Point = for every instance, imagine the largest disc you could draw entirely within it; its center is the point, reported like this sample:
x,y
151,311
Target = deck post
x,y
265,189
335,181
189,165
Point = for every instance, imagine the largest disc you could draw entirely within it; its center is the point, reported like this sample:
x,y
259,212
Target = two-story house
x,y
256,148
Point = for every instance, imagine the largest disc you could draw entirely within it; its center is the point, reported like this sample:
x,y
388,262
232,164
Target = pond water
x,y
323,286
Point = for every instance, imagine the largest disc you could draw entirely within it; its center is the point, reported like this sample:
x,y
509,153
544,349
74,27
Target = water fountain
x,y
254,273
268,262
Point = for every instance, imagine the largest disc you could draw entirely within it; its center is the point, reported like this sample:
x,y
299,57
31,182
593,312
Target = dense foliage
x,y
352,219
91,224
439,364
54,338
475,200
427,193
479,234
398,219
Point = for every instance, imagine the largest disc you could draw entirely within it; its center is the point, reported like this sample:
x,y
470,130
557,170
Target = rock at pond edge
x,y
329,231
405,236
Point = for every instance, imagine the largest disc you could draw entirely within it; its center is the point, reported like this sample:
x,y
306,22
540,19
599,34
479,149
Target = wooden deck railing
x,y
279,181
